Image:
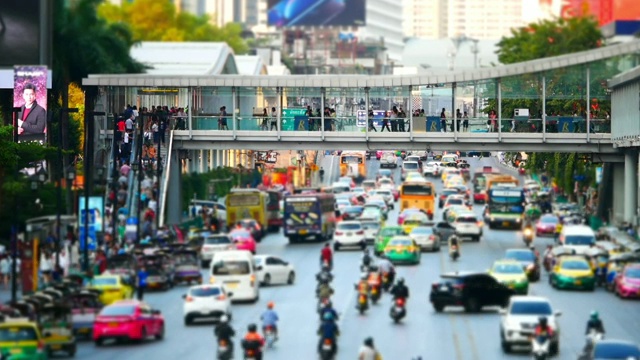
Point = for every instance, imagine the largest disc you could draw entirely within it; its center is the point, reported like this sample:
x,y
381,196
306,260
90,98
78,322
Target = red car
x,y
546,225
479,197
128,319
627,282
243,240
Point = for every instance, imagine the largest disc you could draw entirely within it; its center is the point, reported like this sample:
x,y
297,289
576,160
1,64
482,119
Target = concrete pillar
x,y
630,185
617,211
206,165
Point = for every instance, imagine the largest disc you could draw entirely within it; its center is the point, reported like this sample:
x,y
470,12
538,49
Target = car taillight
x,y
432,237
361,232
339,233
221,297
480,223
41,347
400,302
253,280
188,299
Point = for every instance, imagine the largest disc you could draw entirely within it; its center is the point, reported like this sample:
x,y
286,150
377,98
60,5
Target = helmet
x,y
364,276
328,316
252,328
326,268
366,250
594,315
270,305
400,281
224,319
542,320
368,342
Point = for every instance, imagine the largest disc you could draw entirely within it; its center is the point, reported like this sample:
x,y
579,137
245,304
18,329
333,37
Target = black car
x,y
352,212
529,261
444,230
471,290
612,349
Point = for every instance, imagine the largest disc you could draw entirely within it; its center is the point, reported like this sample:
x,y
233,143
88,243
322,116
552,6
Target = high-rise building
x,y
483,19
384,19
425,19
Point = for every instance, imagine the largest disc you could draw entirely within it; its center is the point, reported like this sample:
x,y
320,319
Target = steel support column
x,y
366,108
588,103
190,113
233,108
322,95
410,108
630,184
278,125
454,111
544,109
499,86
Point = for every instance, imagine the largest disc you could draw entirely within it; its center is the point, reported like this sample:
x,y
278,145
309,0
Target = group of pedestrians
x,y
461,118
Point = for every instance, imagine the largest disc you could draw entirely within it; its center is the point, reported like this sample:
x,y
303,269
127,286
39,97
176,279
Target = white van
x,y
577,237
234,269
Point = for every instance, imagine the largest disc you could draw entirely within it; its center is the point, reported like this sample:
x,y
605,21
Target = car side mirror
x,y
558,313
259,268
229,294
184,296
155,312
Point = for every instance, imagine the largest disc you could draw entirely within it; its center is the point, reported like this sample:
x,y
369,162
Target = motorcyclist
x,y
324,276
328,330
366,260
543,329
324,291
558,230
326,256
224,331
321,173
363,286
454,241
594,323
328,309
368,351
253,340
385,268
534,251
270,318
400,290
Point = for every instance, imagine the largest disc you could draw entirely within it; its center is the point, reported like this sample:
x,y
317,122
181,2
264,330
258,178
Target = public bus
x,y
480,180
274,220
419,194
247,204
502,180
309,216
505,208
353,163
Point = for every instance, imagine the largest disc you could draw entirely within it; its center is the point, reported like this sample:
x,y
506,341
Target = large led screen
x,y
289,13
19,32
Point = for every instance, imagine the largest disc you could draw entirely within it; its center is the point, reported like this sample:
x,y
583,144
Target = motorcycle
x,y
398,310
527,236
327,350
386,281
225,352
592,338
374,294
269,336
548,262
540,347
363,303
454,252
324,277
251,350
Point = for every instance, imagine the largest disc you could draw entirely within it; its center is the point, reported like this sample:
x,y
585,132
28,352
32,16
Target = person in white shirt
x,y
128,124
153,204
368,351
46,266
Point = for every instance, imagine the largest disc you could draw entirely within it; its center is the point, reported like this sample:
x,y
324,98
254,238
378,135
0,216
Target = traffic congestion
x,y
390,255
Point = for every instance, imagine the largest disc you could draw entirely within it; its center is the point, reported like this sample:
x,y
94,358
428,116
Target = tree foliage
x,y
158,20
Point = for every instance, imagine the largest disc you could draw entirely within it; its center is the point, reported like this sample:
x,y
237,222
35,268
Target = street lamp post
x,y
14,227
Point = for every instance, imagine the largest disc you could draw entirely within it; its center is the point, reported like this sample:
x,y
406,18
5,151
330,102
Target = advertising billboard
x,y
30,95
290,13
19,32
95,220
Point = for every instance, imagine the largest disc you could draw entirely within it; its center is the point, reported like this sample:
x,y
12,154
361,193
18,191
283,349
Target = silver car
x,y
426,238
386,194
371,229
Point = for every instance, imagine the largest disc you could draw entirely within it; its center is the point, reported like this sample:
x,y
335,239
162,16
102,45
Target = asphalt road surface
x,y
449,335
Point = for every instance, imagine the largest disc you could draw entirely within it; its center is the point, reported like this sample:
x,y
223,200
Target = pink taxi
x,y
128,319
243,240
628,282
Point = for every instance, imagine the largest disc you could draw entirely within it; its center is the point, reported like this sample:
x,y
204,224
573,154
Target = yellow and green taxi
x,y
402,249
112,288
384,235
454,180
511,274
572,272
414,220
21,339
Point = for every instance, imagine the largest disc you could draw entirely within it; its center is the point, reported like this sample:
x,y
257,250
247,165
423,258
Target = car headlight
x,y
493,219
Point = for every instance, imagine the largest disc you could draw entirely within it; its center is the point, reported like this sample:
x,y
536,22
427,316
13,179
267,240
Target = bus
x,y
247,204
418,194
274,220
505,208
353,163
309,215
502,180
480,180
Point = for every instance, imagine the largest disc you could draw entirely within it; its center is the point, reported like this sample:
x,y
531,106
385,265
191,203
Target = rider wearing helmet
x,y
326,256
543,328
327,308
594,323
368,350
270,318
366,259
400,290
363,285
324,276
223,331
328,330
253,340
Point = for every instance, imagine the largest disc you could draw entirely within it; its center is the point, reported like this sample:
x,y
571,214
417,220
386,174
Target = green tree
x,y
158,20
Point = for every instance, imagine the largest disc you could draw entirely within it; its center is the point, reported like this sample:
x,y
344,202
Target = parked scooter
x,y
398,310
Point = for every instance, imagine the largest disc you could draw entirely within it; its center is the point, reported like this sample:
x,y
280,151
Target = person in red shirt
x,y
543,328
326,256
253,341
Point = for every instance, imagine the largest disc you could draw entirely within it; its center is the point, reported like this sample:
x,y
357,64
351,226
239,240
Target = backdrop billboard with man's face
x,y
290,13
19,32
30,95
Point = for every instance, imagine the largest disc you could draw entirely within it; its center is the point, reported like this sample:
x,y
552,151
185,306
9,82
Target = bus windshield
x,y
417,189
352,159
252,199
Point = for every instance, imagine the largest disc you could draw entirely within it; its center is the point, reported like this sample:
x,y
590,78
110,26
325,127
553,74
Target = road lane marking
x,y
343,313
456,340
472,341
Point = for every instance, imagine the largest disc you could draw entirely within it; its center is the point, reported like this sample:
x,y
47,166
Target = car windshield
x,y
384,192
205,291
154,272
447,192
549,220
18,333
410,165
384,172
530,308
422,231
371,225
215,240
391,231
118,310
467,219
455,202
579,240
520,255
231,267
240,234
353,209
104,281
575,265
349,226
616,351
512,269
632,273
400,242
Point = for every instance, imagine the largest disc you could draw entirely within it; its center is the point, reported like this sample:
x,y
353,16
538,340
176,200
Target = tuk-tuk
x,y
121,264
160,259
56,326
187,267
85,306
66,288
617,263
55,294
196,243
7,311
25,309
37,303
158,278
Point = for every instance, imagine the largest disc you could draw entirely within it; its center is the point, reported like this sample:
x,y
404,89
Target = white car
x,y
358,190
206,301
378,201
431,169
388,159
349,233
421,154
371,229
273,270
386,194
520,318
468,226
342,203
213,244
426,238
340,187
409,167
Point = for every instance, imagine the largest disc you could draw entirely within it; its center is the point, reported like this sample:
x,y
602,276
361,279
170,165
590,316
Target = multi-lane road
x,y
449,335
